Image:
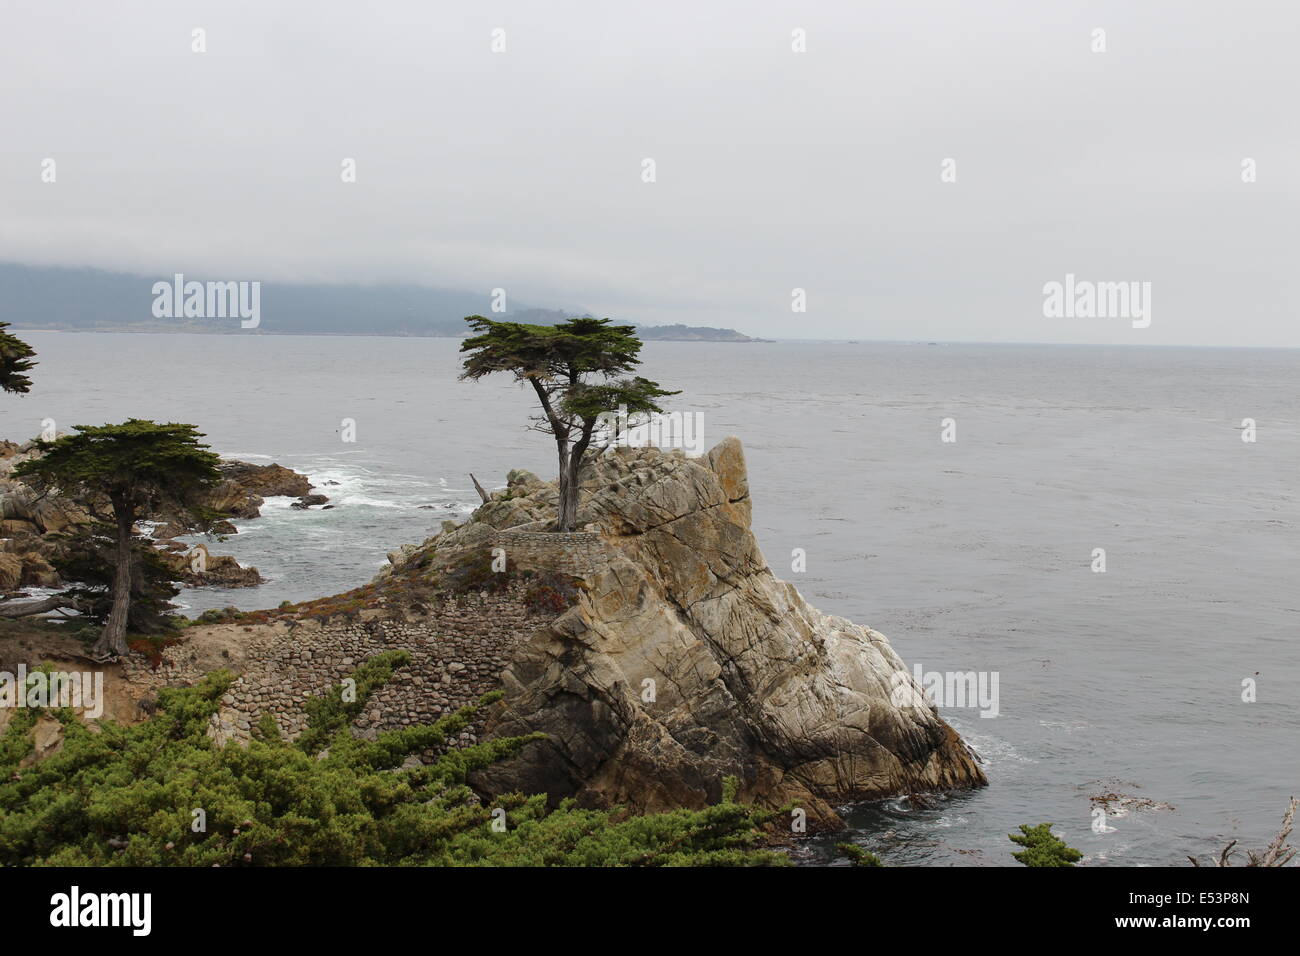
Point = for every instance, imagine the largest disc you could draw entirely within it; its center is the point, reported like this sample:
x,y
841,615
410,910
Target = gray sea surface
x,y
972,556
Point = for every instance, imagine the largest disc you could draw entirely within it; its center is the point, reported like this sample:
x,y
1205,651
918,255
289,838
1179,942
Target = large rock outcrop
x,y
685,660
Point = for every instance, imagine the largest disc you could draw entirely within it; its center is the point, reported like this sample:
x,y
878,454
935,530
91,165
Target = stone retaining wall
x,y
458,650
573,552
457,655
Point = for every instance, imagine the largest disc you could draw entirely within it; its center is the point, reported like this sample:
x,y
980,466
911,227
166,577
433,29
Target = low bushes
x,y
160,793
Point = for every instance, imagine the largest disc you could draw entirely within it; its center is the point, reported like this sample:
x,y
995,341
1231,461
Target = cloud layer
x,y
775,170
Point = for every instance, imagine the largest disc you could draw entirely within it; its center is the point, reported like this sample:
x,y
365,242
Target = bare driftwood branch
x,y
14,609
1277,853
479,488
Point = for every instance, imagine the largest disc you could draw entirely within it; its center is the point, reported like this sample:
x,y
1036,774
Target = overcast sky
x,y
775,170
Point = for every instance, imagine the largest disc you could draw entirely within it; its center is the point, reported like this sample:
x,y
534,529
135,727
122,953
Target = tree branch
x,y
558,426
12,609
479,488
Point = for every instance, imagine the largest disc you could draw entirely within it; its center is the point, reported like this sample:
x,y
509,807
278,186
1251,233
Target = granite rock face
x,y
686,660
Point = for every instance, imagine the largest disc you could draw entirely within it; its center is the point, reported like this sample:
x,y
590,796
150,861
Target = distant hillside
x,y
58,298
649,333
691,333
40,297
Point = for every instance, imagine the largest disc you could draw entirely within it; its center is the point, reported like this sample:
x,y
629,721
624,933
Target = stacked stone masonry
x,y
578,552
457,655
458,651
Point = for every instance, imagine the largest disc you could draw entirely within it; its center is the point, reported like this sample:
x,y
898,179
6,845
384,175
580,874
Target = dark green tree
x,y
1042,847
15,362
576,369
86,555
139,467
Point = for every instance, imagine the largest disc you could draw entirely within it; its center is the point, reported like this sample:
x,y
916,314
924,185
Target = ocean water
x,y
974,555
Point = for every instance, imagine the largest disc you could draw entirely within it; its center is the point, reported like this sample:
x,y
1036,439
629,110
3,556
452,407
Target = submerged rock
x,y
266,480
686,660
218,570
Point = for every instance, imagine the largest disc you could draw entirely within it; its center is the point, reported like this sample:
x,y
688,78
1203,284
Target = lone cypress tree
x,y
15,362
140,467
573,368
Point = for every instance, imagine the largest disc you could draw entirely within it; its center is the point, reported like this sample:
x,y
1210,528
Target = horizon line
x,y
754,340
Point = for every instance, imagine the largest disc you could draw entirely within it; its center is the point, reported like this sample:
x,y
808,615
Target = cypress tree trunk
x,y
113,640
570,480
568,500
568,505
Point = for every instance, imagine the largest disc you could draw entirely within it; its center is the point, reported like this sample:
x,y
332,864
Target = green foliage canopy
x,y
1043,847
15,362
125,796
141,464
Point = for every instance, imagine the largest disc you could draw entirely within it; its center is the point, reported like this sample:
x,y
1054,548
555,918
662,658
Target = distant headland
x,y
67,299
692,333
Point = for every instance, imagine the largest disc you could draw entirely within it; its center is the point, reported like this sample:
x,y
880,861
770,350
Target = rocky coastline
x,y
654,648
33,527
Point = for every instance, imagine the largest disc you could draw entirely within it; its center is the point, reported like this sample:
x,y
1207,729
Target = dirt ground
x,y
128,688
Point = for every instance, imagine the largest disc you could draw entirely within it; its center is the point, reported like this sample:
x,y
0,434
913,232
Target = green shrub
x,y
858,856
125,796
88,556
219,615
1043,847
